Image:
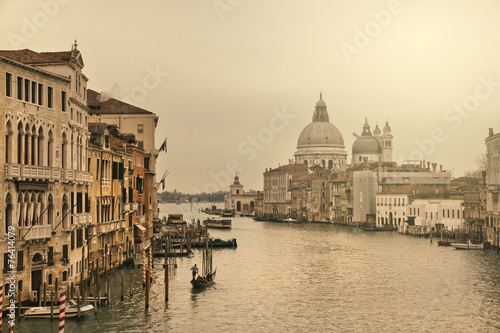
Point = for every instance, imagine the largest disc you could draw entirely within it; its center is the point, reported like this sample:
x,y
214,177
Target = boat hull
x,y
43,312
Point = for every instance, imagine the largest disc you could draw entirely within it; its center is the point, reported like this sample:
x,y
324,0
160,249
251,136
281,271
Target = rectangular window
x,y
33,92
8,84
6,262
26,90
140,128
63,101
19,88
73,240
40,94
65,252
140,144
50,255
20,260
50,97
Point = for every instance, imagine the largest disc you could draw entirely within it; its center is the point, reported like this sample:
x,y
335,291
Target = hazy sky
x,y
237,80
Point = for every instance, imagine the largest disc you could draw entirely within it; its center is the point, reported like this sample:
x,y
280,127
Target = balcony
x,y
82,218
106,227
34,172
37,232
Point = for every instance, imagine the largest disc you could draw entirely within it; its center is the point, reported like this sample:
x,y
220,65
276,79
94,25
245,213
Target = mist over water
x,y
309,278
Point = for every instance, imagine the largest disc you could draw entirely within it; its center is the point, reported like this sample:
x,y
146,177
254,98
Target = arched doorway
x,y
238,206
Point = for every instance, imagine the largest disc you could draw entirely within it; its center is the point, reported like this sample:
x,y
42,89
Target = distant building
x,y
373,148
321,143
277,200
493,184
368,179
447,213
240,202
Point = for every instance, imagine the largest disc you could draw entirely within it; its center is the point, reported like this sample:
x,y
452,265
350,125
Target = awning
x,y
140,227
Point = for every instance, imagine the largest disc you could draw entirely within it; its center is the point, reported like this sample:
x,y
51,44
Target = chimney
x,y
423,164
483,175
434,166
441,168
428,166
491,133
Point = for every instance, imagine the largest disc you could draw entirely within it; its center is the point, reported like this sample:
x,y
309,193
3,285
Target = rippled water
x,y
310,278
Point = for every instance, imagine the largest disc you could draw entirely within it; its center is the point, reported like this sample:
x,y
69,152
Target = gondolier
x,y
195,271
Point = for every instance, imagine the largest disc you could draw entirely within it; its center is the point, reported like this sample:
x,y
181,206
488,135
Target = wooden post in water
x,y
108,292
56,291
150,264
39,295
166,281
147,289
18,310
45,294
95,299
123,287
72,290
78,314
98,291
131,283
51,305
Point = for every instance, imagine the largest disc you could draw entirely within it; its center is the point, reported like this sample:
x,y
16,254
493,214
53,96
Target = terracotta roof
x,y
111,106
30,57
340,179
290,167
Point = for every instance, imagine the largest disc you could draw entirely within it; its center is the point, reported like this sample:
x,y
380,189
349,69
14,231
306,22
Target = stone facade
x,y
45,184
237,200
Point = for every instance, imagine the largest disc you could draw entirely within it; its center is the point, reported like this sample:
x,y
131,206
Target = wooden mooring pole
x,y
131,283
123,286
51,305
147,289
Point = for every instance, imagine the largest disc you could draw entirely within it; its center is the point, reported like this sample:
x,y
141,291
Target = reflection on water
x,y
309,278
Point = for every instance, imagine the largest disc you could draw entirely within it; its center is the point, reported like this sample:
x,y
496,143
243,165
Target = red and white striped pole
x,y
1,304
144,268
62,309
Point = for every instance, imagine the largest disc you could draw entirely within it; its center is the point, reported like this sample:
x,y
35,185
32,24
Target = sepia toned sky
x,y
237,80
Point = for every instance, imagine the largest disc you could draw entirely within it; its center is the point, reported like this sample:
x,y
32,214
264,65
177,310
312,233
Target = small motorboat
x,y
71,310
468,246
217,223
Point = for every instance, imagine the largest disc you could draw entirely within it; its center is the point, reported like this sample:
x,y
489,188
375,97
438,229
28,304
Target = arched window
x,y
63,151
8,212
40,147
20,143
305,162
330,164
34,146
50,149
50,211
65,211
27,142
8,142
323,163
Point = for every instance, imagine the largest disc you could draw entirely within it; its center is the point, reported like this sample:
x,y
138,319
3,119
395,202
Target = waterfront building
x,y
45,184
392,204
277,200
337,188
376,147
142,123
240,202
493,184
368,179
320,142
437,213
110,233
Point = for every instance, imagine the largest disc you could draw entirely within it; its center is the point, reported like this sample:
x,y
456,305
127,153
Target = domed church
x,y
376,147
320,142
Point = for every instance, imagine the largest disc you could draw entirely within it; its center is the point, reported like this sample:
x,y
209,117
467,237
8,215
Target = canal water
x,y
308,278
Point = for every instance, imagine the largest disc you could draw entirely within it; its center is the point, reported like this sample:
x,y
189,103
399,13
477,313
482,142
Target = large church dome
x,y
320,142
366,144
320,133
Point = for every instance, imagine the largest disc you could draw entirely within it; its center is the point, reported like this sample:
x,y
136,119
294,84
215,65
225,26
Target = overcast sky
x,y
237,80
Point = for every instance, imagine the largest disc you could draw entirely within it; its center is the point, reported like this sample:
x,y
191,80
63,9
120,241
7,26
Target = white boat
x,y
70,312
217,223
468,246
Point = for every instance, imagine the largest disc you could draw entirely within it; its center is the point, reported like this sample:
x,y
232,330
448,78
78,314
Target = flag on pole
x,y
163,146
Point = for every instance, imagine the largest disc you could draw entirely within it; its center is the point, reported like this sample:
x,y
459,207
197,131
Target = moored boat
x,y
217,223
468,246
71,311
